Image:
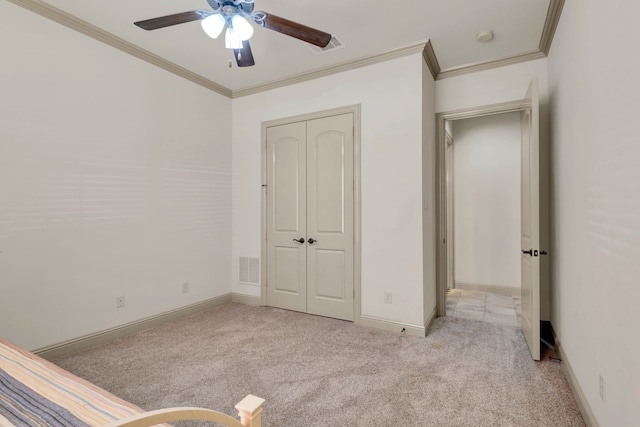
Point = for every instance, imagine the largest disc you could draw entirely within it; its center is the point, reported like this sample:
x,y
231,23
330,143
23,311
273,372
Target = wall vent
x,y
249,271
334,44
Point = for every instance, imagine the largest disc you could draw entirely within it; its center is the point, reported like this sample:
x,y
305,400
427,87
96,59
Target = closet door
x,y
287,216
310,216
330,216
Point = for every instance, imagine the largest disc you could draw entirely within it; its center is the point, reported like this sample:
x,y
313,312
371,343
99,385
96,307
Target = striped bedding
x,y
35,392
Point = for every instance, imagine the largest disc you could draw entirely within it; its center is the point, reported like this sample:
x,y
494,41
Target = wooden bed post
x,y
250,411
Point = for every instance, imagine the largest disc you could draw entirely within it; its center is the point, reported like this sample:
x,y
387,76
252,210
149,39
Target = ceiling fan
x,y
234,15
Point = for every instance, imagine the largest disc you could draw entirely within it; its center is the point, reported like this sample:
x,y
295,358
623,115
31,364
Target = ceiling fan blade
x,y
169,20
293,29
244,56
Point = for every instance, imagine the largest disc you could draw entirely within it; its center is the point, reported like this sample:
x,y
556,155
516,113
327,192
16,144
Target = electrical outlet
x,y
119,302
602,388
388,297
185,287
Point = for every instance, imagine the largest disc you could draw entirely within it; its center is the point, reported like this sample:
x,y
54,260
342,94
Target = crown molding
x,y
550,25
430,58
488,65
548,31
70,21
334,69
423,47
54,14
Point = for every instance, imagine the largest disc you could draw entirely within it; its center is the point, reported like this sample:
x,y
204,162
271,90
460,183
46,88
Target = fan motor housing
x,y
241,6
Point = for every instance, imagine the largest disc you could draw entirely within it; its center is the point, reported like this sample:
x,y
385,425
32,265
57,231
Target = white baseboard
x,y
390,325
430,319
496,289
366,321
583,405
81,343
246,299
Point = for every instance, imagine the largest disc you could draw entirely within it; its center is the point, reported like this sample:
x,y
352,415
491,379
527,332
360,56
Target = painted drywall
x,y
486,200
489,87
429,191
594,94
390,95
115,180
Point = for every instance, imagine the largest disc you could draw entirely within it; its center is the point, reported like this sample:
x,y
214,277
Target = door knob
x,y
529,252
300,240
311,241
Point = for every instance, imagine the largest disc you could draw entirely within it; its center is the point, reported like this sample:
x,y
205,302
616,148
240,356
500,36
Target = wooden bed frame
x,y
35,389
249,411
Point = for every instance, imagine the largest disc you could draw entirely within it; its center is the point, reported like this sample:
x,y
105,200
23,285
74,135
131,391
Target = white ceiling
x,y
366,27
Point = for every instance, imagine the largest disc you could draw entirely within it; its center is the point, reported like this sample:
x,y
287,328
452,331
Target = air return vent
x,y
334,44
249,271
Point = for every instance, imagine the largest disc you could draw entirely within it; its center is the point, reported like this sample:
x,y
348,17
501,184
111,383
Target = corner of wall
x,y
428,194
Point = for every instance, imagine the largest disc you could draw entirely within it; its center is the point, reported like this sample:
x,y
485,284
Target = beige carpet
x,y
315,371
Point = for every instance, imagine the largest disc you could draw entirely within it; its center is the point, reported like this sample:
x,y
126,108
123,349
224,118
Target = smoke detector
x,y
484,36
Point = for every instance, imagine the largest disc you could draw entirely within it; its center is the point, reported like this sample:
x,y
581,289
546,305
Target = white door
x,y
330,216
287,216
530,225
310,216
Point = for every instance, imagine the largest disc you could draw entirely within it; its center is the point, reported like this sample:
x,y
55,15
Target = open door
x,y
530,221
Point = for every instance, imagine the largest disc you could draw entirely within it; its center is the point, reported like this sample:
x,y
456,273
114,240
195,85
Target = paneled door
x,y
310,216
530,221
287,216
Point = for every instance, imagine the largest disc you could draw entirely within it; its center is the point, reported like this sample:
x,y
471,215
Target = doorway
x,y
530,251
311,214
483,202
483,218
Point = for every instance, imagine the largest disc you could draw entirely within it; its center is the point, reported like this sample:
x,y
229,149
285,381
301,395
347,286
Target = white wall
x,y
429,190
486,181
489,87
114,180
390,95
595,94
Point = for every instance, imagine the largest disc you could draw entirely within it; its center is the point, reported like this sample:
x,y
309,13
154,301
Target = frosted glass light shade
x,y
213,25
241,27
231,40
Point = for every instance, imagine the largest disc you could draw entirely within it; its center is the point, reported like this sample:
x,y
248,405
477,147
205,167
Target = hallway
x,y
484,306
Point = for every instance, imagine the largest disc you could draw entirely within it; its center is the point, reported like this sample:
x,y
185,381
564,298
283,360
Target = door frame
x,y
450,282
357,247
442,245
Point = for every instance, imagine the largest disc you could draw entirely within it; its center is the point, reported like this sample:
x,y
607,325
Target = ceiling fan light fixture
x,y
241,27
238,16
213,25
232,40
